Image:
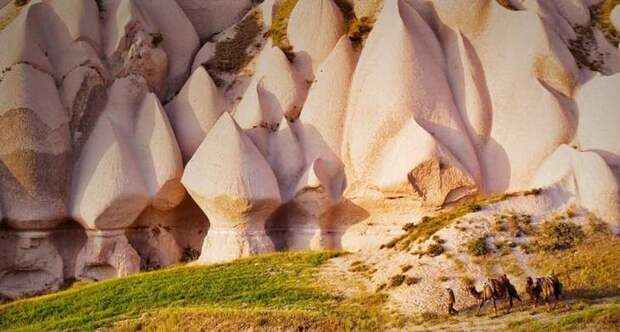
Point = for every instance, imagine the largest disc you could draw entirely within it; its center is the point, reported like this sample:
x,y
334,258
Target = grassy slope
x,y
281,287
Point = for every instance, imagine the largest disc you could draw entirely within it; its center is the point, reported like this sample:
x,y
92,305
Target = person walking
x,y
451,301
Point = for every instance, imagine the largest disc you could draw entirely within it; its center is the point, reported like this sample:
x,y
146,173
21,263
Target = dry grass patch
x,y
589,269
232,55
8,14
600,14
429,225
279,26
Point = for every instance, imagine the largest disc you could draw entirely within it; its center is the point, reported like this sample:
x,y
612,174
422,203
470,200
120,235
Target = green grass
x,y
604,317
283,284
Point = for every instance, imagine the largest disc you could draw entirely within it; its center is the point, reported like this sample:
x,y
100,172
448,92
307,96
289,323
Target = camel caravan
x,y
541,289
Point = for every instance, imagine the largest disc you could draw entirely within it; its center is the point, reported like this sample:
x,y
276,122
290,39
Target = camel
x,y
495,289
544,288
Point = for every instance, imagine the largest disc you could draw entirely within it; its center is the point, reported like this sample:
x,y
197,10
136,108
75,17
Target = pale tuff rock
x,y
129,38
34,155
314,28
81,20
599,117
133,143
97,202
235,186
284,87
24,37
157,248
411,65
322,120
469,89
262,111
180,40
130,161
319,188
107,254
546,80
195,110
314,201
212,16
615,17
285,157
159,155
29,264
427,170
585,175
334,148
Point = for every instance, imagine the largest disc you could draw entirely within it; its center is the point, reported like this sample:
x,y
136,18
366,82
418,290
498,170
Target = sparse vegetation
x,y
232,55
279,27
559,235
189,255
429,225
600,14
604,317
589,269
397,280
359,266
434,249
477,247
156,39
405,268
412,281
8,14
515,224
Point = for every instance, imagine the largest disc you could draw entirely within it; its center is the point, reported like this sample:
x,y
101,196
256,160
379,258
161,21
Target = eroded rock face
x,y
314,28
195,110
588,177
107,254
316,145
130,161
29,264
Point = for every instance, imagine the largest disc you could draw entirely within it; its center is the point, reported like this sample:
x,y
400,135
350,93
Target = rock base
x,y
222,245
31,265
107,254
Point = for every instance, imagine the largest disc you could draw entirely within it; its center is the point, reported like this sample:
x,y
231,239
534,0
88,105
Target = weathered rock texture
x,y
323,133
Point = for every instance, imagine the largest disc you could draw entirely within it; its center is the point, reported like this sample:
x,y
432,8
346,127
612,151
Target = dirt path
x,y
523,313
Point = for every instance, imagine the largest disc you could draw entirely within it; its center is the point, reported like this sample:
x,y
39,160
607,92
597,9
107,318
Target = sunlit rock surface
x,y
319,127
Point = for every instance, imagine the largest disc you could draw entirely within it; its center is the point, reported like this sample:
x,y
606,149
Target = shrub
x,y
434,250
20,3
559,235
189,255
405,268
408,226
157,39
477,247
412,280
397,280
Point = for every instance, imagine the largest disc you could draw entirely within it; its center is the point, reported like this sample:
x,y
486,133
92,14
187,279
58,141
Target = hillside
x,y
277,292
439,143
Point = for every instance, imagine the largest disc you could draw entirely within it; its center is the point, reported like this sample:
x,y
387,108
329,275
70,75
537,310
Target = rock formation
x,y
239,199
316,127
